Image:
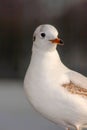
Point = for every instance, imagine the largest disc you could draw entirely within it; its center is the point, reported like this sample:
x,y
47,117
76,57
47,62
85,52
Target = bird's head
x,y
46,38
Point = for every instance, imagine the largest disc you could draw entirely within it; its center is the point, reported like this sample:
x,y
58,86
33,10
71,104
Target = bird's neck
x,y
48,58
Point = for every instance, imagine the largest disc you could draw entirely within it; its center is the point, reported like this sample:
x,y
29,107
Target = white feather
x,y
44,79
78,79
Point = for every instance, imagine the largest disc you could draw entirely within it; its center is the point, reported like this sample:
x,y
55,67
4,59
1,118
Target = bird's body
x,y
54,90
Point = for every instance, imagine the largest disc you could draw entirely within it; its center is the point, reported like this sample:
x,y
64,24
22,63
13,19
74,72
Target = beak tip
x,y
61,42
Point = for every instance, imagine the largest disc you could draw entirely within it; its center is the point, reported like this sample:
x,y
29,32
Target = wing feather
x,y
78,79
77,84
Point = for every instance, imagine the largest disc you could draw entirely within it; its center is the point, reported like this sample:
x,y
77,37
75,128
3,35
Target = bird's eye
x,y
34,38
43,35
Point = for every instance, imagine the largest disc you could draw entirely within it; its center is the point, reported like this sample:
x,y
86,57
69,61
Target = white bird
x,y
54,90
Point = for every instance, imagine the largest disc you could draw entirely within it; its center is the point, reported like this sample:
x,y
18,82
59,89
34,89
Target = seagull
x,y
55,91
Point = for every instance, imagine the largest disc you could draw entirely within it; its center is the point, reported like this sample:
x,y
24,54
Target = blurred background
x,y
18,20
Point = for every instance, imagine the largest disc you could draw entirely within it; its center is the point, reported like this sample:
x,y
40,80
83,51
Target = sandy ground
x,y
15,111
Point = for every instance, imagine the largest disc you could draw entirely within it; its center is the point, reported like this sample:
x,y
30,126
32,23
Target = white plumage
x,y
54,90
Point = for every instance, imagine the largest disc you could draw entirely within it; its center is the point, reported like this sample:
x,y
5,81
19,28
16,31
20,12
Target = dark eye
x,y
43,35
34,38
